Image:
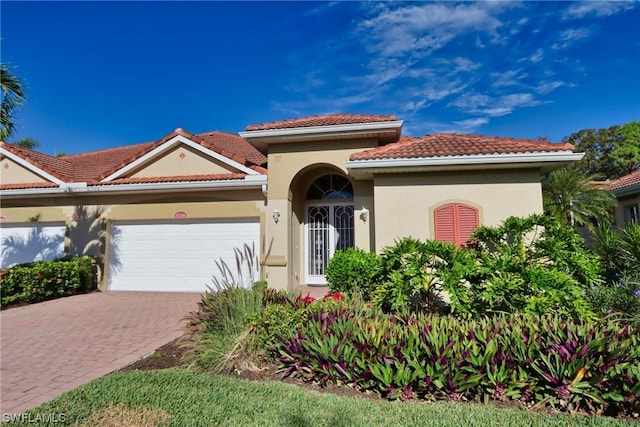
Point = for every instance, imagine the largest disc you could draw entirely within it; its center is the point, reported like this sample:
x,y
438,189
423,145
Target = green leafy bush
x,y
45,280
353,270
530,265
622,297
541,361
423,276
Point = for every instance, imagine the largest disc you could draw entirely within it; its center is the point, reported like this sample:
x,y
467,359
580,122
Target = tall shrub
x,y
353,270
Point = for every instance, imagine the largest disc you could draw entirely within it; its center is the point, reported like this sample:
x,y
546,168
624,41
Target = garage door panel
x,y
27,242
175,256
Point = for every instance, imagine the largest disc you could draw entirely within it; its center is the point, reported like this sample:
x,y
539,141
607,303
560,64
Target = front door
x,y
329,227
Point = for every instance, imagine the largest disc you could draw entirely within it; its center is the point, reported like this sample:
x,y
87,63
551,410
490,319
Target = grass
x,y
178,397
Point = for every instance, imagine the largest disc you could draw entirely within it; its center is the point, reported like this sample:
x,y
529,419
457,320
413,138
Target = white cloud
x,y
537,56
482,104
470,125
569,36
547,87
508,78
597,8
421,29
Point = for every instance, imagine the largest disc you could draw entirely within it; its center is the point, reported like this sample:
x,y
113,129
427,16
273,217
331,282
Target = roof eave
x,y
543,161
624,191
80,189
387,130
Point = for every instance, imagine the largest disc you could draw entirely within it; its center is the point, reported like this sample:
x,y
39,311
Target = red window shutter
x,y
455,223
467,223
445,226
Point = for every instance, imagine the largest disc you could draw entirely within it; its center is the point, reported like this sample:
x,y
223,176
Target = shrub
x,y
542,361
217,332
422,276
45,280
622,297
531,265
353,270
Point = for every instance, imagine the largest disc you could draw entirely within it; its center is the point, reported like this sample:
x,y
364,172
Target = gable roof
x,y
322,120
451,144
54,166
92,167
627,183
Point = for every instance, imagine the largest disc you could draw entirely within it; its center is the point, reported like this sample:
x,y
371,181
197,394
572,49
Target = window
x,y
455,223
631,214
330,187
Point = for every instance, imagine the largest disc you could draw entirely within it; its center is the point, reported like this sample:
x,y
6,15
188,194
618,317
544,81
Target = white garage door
x,y
177,256
22,243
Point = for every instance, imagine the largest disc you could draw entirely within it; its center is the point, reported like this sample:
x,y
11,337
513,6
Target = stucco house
x,y
297,190
627,191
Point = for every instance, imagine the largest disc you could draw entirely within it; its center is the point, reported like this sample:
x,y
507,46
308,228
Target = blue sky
x,y
101,74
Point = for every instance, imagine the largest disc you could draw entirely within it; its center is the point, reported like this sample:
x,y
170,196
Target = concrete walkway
x,y
55,346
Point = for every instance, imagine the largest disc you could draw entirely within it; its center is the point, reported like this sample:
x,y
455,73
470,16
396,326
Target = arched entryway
x,y
329,224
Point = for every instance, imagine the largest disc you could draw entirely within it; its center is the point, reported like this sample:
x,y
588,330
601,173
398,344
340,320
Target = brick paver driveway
x,y
55,346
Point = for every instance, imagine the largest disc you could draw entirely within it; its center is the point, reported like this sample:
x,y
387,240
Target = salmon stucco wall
x,y
404,204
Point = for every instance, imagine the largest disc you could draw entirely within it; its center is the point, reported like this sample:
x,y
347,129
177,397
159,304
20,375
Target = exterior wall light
x,y
364,214
276,216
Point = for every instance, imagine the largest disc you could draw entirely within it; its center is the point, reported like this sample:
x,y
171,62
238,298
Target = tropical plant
x,y
27,142
353,270
541,361
13,97
609,152
574,199
218,332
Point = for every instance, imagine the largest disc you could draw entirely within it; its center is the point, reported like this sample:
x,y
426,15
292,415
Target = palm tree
x,y
576,200
12,98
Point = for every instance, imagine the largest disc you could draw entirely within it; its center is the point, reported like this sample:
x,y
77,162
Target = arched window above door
x,y
330,187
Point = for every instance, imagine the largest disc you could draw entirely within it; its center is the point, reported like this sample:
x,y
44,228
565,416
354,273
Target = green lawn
x,y
186,398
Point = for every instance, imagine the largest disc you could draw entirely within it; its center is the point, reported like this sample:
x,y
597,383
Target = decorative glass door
x,y
329,227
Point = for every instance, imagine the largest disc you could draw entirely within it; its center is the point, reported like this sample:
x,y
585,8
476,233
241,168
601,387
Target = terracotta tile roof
x,y
229,145
92,167
177,178
324,120
445,144
56,166
631,180
233,144
94,164
27,185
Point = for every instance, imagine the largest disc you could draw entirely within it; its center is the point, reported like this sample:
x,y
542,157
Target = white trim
x,y
480,159
22,162
176,140
315,279
83,188
323,131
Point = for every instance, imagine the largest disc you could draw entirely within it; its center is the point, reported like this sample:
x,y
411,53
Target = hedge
x,y
40,281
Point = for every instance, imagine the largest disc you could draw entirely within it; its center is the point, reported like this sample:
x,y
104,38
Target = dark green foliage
x,y
573,198
276,323
529,265
353,270
45,280
609,152
415,274
539,360
621,297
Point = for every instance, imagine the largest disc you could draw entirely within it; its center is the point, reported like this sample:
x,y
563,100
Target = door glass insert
x,y
330,224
